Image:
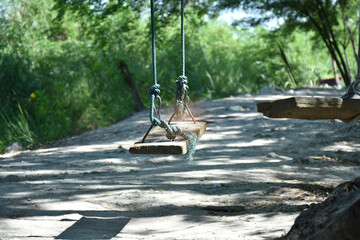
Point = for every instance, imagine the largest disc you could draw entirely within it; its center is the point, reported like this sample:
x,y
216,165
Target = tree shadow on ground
x,y
233,158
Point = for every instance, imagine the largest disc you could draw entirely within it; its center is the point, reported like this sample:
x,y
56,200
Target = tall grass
x,y
16,128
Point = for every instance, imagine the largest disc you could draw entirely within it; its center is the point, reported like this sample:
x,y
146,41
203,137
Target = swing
x,y
345,108
161,137
310,108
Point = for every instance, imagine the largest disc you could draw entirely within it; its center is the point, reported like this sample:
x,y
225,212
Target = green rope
x,y
181,89
181,83
153,45
183,37
354,87
193,141
154,91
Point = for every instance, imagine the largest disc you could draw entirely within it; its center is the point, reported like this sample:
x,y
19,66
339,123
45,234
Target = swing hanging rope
x,y
181,83
354,87
154,91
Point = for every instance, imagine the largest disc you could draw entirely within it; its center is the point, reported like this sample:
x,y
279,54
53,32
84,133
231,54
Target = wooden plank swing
x,y
345,108
157,143
312,108
155,140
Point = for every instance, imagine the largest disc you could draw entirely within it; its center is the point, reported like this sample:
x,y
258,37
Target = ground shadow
x,y
94,228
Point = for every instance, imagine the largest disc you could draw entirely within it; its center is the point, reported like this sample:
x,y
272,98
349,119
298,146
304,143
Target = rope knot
x,y
154,90
181,88
357,77
354,88
173,131
182,82
357,84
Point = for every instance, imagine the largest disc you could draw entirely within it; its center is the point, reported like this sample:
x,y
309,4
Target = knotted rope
x,y
154,91
354,87
181,89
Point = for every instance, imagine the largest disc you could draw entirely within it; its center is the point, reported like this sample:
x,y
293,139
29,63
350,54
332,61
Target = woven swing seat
x,y
311,108
157,143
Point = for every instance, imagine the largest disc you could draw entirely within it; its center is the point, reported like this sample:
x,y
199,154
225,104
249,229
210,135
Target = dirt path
x,y
250,179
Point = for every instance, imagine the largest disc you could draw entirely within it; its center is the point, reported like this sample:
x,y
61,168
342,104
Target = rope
x,y
181,89
182,38
358,58
354,87
153,45
154,91
181,83
181,92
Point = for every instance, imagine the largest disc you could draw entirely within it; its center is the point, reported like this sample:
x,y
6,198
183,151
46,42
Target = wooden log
x,y
157,143
312,108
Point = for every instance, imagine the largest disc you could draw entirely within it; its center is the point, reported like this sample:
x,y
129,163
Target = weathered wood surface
x,y
312,108
337,217
157,143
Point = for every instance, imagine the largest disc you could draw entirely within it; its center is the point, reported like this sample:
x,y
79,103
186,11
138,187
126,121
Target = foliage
x,y
328,19
16,128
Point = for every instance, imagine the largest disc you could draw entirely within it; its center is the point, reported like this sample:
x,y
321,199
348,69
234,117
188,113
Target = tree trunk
x,y
329,38
335,70
348,63
130,81
353,44
333,41
284,58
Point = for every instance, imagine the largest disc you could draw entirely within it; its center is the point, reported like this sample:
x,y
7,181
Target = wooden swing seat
x,y
311,108
157,143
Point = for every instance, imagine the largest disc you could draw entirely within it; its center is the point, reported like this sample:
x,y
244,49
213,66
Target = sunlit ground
x,y
250,178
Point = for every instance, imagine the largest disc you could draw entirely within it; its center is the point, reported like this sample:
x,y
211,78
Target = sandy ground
x,y
250,179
